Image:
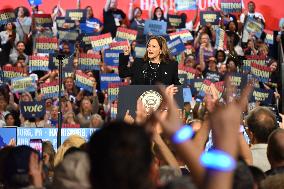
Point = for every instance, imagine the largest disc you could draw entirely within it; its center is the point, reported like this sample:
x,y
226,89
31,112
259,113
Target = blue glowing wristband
x,y
218,160
183,134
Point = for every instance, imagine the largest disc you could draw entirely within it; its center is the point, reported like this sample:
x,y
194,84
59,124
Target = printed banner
x,y
253,26
7,135
23,84
50,134
82,81
195,85
269,37
221,39
76,15
212,17
113,89
239,80
262,95
176,21
176,46
43,20
120,45
61,23
126,34
155,27
231,6
54,63
101,42
67,34
9,72
38,63
185,35
253,58
89,61
111,57
108,78
260,72
33,109
6,16
182,5
50,90
46,45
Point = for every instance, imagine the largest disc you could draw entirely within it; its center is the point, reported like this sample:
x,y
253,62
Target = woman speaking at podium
x,y
157,66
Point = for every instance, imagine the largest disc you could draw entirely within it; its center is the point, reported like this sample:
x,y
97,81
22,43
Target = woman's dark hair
x,y
26,11
120,156
7,115
220,51
236,24
155,17
133,13
92,16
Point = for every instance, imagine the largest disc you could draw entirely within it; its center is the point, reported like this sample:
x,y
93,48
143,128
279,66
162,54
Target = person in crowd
x,y
69,118
93,25
23,23
20,50
48,154
87,109
159,14
136,21
156,66
261,122
96,121
113,17
10,120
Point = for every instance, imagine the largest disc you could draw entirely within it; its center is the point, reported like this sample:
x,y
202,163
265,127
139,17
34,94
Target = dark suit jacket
x,y
167,73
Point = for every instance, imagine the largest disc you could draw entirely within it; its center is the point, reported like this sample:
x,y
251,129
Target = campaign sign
x,y
46,45
50,90
60,22
185,35
182,5
43,20
108,78
269,37
113,89
82,81
85,39
35,2
176,21
23,84
155,27
176,46
189,71
67,34
101,42
32,109
67,63
195,85
262,95
231,6
76,15
187,96
120,45
50,134
238,80
6,135
260,60
212,17
205,86
89,61
6,16
38,63
220,88
253,26
126,34
260,72
111,57
140,50
9,72
221,39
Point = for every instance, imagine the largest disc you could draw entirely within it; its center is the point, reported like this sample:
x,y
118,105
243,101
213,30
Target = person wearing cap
x,y
210,70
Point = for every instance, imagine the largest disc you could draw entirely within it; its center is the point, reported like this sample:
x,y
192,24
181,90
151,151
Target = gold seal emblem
x,y
151,100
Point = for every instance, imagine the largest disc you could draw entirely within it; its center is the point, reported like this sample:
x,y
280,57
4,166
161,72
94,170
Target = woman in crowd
x,y
136,20
23,24
93,25
96,121
10,120
156,66
87,109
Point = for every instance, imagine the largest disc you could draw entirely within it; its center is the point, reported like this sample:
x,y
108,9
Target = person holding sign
x,y
157,66
92,25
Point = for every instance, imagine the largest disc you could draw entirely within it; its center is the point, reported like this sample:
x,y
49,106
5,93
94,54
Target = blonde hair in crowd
x,y
71,141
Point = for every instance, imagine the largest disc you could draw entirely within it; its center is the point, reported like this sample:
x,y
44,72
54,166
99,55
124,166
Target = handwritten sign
x,y
212,17
182,5
260,72
46,45
7,16
9,72
101,42
120,45
126,34
38,63
89,61
221,39
32,109
51,90
253,26
67,34
231,6
185,35
108,78
22,84
155,27
82,81
43,20
76,15
269,37
176,46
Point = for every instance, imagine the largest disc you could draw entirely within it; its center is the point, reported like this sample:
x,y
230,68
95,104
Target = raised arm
x,y
107,5
123,69
166,8
130,10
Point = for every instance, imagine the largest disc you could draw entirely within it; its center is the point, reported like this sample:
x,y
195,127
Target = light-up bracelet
x,y
218,160
183,134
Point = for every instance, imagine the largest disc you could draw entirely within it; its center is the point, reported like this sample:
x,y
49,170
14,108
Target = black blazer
x,y
167,72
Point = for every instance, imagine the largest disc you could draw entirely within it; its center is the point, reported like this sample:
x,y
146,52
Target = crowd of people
x,y
214,141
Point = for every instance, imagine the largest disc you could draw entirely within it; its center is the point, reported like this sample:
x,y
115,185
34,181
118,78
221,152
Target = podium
x,y
128,96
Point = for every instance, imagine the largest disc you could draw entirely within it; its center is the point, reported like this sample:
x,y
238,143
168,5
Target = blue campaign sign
x,y
176,46
108,78
155,27
182,5
35,2
111,57
187,96
6,135
50,134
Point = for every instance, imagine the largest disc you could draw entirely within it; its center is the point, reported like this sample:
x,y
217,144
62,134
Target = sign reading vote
x,y
212,17
176,46
76,15
155,27
231,6
43,20
182,5
32,109
6,16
